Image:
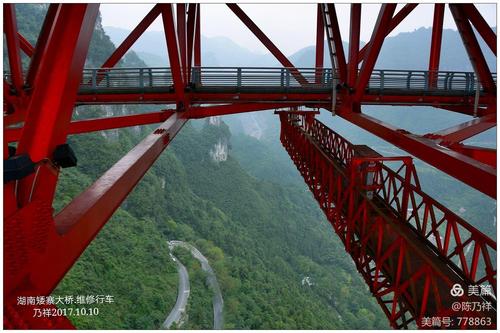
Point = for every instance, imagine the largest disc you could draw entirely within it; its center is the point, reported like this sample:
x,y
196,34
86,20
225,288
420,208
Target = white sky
x,y
290,26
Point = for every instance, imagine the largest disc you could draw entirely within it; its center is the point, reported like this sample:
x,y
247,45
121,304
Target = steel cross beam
x,y
464,131
100,124
267,42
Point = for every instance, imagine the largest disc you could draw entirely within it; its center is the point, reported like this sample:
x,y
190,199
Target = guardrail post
x,y
408,79
426,80
94,79
287,78
282,79
238,78
381,80
108,84
141,77
150,74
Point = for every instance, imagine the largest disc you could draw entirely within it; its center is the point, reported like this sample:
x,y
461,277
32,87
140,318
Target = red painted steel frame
x,y
384,236
407,258
66,236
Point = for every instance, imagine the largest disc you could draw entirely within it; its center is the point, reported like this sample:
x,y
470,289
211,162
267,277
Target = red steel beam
x,y
197,39
81,220
477,175
100,124
337,40
173,50
182,37
191,28
464,131
320,43
484,155
476,56
132,38
54,95
379,32
481,26
354,36
266,41
437,36
13,47
396,20
220,110
26,46
449,102
41,43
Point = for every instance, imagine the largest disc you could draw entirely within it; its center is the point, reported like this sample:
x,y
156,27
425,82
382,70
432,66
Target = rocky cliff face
x,y
219,150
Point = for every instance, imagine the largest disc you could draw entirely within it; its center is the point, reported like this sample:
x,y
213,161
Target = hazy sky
x,y
290,26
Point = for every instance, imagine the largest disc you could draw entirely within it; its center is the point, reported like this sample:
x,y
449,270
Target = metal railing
x,y
255,78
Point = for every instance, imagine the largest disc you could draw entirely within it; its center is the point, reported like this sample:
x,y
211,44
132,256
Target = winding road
x,y
176,315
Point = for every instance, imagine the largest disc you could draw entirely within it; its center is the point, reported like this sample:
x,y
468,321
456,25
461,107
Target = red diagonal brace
x,y
191,28
80,221
481,26
132,38
41,44
378,36
476,56
266,41
396,20
26,46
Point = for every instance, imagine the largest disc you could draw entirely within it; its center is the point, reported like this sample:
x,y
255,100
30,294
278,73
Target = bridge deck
x,y
219,84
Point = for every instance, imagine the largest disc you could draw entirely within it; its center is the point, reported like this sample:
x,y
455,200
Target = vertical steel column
x,y
354,33
173,52
320,44
437,34
182,37
197,39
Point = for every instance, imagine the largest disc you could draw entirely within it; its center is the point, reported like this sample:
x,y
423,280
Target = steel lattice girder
x,y
374,211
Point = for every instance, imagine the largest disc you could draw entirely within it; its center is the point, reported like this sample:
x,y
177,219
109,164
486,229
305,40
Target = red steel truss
x,y
408,247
